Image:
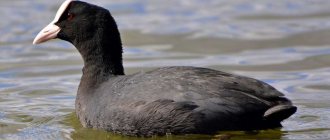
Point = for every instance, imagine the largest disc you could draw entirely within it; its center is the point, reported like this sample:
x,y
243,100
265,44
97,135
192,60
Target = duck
x,y
169,100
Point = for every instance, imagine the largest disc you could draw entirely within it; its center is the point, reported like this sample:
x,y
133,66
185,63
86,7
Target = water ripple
x,y
38,83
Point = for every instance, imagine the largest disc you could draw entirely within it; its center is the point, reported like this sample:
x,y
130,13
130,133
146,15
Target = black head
x,y
91,29
82,21
77,21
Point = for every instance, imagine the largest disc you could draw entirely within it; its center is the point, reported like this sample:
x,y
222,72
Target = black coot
x,y
177,100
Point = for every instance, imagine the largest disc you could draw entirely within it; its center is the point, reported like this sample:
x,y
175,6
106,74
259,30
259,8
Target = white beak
x,y
48,33
51,30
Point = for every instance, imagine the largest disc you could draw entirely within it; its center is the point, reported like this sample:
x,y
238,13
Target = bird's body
x,y
178,100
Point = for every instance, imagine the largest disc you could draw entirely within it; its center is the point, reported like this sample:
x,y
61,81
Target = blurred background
x,y
284,43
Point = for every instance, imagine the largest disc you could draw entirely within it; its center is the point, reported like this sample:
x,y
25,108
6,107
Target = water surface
x,y
284,43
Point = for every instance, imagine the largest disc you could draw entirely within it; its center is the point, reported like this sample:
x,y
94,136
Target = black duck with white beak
x,y
177,100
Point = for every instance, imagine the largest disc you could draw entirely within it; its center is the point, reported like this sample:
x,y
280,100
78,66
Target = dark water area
x,y
284,43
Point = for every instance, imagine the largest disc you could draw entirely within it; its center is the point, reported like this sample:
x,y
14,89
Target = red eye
x,y
70,16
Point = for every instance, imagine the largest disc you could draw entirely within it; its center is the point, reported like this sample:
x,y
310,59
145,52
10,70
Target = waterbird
x,y
176,99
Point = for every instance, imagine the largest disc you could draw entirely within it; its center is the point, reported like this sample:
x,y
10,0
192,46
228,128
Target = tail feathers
x,y
279,112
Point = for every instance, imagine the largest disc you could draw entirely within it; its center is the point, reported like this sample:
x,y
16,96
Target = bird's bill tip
x,y
48,33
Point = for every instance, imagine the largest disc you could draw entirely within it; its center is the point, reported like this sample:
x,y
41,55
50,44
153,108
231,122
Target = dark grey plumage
x,y
177,100
180,100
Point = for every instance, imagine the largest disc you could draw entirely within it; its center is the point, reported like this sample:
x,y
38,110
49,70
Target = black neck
x,y
102,56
